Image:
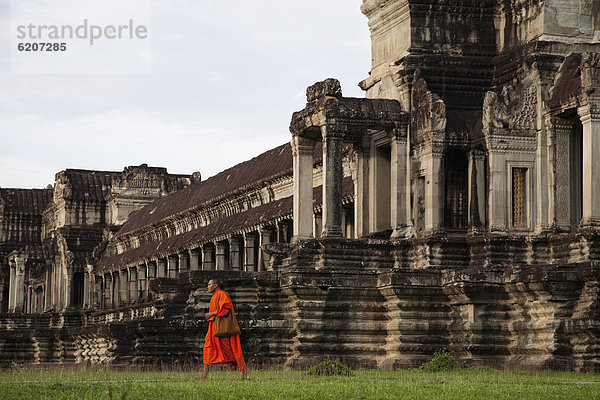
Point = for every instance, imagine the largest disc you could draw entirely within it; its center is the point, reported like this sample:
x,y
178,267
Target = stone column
x,y
123,287
115,289
194,258
19,283
361,188
263,257
34,300
172,266
184,261
542,189
89,286
220,261
68,292
207,258
249,259
302,153
133,285
476,189
107,291
152,269
11,286
434,190
400,182
234,254
283,231
28,300
332,182
48,291
161,268
590,119
143,281
98,292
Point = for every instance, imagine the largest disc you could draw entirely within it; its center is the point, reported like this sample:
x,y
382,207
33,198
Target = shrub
x,y
442,361
330,368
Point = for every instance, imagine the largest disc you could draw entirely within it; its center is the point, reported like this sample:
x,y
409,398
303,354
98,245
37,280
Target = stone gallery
x,y
456,206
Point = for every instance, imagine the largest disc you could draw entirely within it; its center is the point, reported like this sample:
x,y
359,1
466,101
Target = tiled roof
x,y
273,163
237,222
25,201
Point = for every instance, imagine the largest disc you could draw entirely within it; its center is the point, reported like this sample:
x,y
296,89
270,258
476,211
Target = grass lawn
x,y
364,384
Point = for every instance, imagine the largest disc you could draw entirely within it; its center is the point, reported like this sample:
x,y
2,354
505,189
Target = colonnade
x,y
129,285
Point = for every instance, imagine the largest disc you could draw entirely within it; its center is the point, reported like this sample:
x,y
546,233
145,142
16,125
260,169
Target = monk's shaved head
x,y
216,282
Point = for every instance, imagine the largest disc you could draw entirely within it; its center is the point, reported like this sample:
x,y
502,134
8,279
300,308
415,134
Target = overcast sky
x,y
225,77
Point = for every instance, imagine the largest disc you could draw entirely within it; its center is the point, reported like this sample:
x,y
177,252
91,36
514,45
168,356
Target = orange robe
x,y
226,349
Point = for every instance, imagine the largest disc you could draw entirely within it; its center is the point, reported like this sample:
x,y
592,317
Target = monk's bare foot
x,y
204,372
244,375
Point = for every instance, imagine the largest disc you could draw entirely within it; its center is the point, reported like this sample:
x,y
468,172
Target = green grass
x,y
364,384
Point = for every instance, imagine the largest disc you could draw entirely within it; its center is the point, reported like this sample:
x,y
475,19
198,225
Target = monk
x,y
225,349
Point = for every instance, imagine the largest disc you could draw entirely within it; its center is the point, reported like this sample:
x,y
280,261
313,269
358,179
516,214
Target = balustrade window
x,y
519,197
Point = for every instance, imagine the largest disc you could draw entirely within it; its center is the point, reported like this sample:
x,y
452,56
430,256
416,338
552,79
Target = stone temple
x,y
456,206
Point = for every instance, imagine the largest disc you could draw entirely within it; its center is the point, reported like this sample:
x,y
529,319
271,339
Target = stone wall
x,y
369,308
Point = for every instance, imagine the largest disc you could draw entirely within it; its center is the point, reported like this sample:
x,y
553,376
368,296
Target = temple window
x,y
456,204
519,197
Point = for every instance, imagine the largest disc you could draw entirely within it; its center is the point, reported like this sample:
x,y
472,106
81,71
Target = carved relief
x,y
590,70
515,107
428,113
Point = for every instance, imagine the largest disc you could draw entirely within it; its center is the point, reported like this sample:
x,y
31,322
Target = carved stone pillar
x,y
98,292
332,182
68,289
161,268
302,153
184,261
152,269
208,262
285,228
123,287
234,254
194,256
400,183
543,189
249,255
361,188
11,285
133,285
107,291
220,256
19,283
172,266
89,286
115,289
142,274
434,190
48,291
263,257
477,190
590,119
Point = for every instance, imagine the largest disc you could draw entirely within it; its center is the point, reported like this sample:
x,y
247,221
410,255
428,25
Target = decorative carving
x,y
561,134
515,107
590,70
429,112
328,87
